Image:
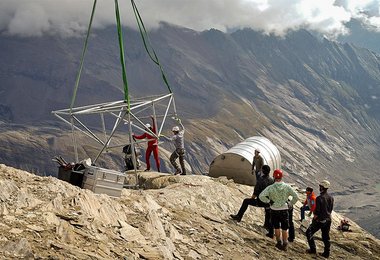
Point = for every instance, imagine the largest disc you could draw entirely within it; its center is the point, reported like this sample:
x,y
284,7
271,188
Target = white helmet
x,y
147,125
175,129
325,184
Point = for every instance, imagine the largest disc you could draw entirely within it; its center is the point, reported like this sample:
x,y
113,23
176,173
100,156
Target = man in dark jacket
x,y
321,220
263,181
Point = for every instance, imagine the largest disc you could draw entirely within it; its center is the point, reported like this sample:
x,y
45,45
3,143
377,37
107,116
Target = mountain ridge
x,y
314,99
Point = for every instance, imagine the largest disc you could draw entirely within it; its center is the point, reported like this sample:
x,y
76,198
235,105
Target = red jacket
x,y
151,143
310,201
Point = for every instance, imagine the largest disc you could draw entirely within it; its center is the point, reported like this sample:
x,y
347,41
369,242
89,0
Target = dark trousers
x,y
325,229
178,153
292,235
256,203
244,206
267,221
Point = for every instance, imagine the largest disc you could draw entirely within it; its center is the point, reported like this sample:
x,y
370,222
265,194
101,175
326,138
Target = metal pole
x,y
103,126
117,123
88,130
154,116
174,108
132,142
74,141
166,113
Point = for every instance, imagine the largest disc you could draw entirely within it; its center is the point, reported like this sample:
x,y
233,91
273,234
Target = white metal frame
x,y
119,111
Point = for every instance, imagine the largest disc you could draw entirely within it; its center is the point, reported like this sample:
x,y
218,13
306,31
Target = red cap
x,y
277,174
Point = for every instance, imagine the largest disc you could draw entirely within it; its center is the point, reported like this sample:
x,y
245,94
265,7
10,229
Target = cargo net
x,y
117,118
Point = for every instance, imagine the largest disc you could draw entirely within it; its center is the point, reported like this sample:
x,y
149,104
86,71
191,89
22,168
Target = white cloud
x,y
29,20
68,17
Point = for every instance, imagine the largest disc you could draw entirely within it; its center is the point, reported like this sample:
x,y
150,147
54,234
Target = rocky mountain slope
x,y
174,217
317,100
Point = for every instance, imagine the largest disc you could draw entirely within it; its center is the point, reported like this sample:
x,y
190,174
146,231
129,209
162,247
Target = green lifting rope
x,y
82,58
144,36
122,57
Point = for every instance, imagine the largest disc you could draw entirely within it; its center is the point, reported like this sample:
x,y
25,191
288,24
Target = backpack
x,y
127,149
344,225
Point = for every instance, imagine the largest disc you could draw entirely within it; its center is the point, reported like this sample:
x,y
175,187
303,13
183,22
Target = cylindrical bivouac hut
x,y
236,163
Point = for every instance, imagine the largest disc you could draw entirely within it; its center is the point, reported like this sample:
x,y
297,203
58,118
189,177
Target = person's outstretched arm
x,y
153,125
139,136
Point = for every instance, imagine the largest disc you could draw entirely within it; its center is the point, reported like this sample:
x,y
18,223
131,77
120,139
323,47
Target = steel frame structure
x,y
118,110
128,111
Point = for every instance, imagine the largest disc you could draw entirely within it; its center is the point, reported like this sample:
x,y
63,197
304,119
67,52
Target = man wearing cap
x,y
179,152
152,145
309,203
321,220
277,195
257,162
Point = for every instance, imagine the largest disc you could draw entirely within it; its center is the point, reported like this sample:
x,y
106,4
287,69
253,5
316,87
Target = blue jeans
x,y
303,209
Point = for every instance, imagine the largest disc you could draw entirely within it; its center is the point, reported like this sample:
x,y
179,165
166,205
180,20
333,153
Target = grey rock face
x,y
187,219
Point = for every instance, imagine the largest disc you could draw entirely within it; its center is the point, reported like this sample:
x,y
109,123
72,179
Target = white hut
x,y
236,163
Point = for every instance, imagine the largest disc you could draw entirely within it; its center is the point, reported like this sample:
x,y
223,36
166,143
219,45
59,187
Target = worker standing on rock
x,y
257,162
152,145
277,196
262,182
321,220
179,152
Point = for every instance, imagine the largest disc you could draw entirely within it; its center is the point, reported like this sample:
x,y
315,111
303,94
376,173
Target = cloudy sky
x,y
70,17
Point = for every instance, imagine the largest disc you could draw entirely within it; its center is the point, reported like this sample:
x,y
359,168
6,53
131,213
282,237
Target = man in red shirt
x,y
309,203
152,145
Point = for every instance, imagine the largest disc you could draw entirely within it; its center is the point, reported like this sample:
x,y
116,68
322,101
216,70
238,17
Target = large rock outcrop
x,y
174,217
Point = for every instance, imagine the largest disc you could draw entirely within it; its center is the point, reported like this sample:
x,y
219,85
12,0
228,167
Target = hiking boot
x,y
235,217
279,245
284,247
146,170
325,254
178,171
311,251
